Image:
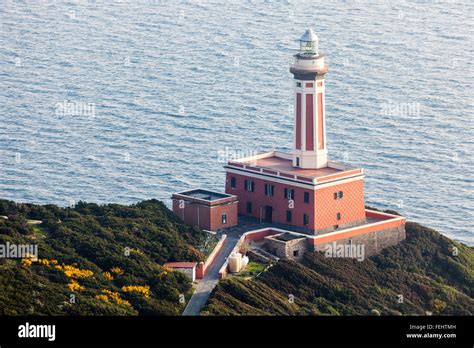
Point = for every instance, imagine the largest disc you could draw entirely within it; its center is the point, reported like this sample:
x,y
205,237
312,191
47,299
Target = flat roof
x,y
282,164
180,264
205,195
285,237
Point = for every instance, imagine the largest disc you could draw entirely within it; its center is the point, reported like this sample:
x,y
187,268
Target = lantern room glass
x,y
309,48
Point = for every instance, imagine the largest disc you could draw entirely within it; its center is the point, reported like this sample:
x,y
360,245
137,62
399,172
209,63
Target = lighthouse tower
x,y
309,68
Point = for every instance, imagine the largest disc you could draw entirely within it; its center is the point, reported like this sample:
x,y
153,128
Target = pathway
x,y
211,278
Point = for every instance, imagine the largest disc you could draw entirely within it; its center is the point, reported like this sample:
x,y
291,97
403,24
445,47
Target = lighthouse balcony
x,y
315,69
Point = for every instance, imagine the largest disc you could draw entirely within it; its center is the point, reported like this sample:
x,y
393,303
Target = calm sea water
x,y
162,91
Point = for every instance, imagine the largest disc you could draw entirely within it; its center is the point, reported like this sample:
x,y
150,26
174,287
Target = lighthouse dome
x,y
309,43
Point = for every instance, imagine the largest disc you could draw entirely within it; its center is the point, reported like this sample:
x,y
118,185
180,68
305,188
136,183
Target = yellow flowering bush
x,y
75,286
117,270
102,297
108,296
74,272
144,290
108,276
26,262
47,262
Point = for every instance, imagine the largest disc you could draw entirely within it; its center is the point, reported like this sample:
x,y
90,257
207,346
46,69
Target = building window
x,y
232,182
249,207
298,84
224,218
296,253
305,219
306,197
288,216
297,161
338,195
309,85
338,216
269,189
289,194
250,185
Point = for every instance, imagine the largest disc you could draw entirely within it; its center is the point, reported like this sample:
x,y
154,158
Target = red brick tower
x,y
309,68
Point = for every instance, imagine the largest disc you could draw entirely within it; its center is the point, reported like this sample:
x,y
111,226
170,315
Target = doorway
x,y
268,213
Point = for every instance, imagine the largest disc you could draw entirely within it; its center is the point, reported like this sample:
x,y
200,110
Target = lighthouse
x,y
306,201
301,188
309,69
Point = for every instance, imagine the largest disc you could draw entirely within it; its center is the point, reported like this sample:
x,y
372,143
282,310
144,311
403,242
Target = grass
x,y
252,269
39,232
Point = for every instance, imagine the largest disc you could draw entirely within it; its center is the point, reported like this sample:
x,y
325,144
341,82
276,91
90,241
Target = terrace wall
x,y
203,266
373,242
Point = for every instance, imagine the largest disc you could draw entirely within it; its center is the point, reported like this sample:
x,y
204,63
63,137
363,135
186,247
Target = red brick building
x,y
206,209
269,188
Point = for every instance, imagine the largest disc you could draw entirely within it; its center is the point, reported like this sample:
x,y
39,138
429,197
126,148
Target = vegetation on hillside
x,y
107,260
427,273
96,259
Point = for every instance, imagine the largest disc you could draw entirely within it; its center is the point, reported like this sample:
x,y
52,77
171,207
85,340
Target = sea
x,y
122,101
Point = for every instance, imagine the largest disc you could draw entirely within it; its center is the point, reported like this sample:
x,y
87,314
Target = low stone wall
x,y
286,249
224,270
341,227
203,266
373,242
383,221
